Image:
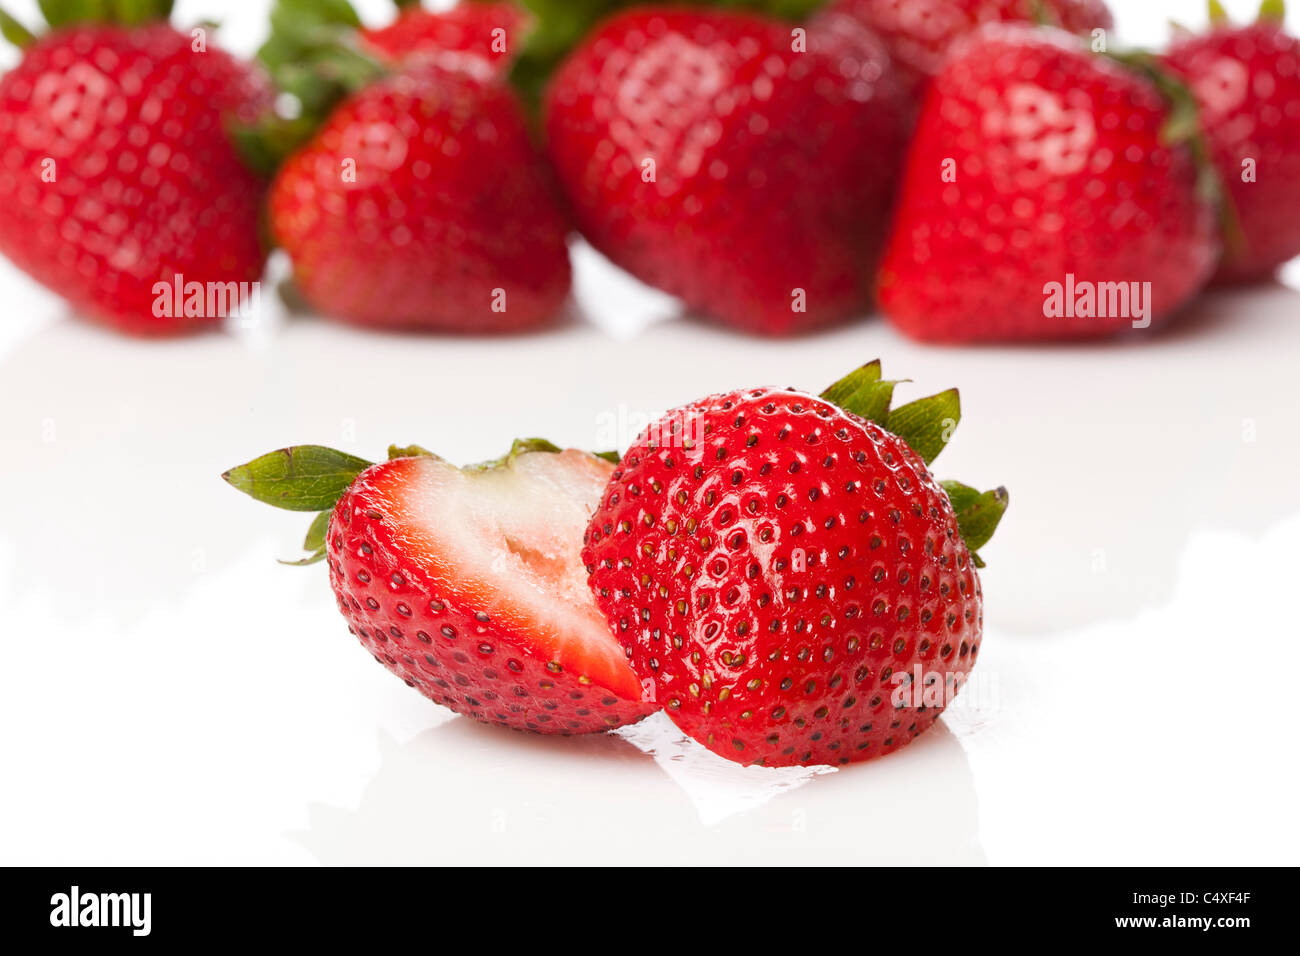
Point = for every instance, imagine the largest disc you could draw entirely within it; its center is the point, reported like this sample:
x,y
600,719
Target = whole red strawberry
x,y
421,203
466,583
1247,82
920,33
1042,199
730,160
493,31
118,182
786,577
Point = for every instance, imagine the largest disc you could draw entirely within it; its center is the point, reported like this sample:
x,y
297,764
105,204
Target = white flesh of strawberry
x,y
507,541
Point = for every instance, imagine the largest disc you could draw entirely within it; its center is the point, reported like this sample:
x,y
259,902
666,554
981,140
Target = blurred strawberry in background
x,y
1038,164
741,164
408,193
1246,80
422,204
494,31
427,170
117,173
919,33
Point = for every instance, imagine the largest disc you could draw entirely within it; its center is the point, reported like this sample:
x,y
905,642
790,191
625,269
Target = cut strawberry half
x,y
467,582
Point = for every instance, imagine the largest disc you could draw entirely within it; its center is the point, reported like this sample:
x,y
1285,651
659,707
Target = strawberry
x,y
1246,80
1042,198
408,195
490,30
919,33
466,583
118,179
779,566
711,156
421,203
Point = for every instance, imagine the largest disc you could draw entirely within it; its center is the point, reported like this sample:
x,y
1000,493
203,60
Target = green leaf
x,y
1274,10
409,451
863,393
304,562
1217,13
299,478
134,12
15,32
961,496
927,423
524,445
320,526
300,18
61,13
311,54
263,145
978,514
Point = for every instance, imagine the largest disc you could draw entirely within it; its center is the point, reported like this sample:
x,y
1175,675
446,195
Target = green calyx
x,y
1272,10
312,56
927,425
314,478
524,445
65,13
978,514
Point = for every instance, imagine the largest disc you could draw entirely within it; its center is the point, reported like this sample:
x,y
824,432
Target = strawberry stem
x,y
15,32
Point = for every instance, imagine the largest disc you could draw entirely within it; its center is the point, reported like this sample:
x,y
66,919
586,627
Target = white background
x,y
170,694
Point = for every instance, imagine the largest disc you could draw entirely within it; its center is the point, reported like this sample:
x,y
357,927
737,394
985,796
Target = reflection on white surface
x,y
718,788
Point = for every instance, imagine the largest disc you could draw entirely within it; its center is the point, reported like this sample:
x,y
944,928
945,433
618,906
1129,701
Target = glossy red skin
x,y
465,28
451,202
751,202
920,33
1090,191
147,182
887,581
416,620
1247,83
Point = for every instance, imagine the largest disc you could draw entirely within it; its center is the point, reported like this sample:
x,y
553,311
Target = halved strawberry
x,y
467,582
